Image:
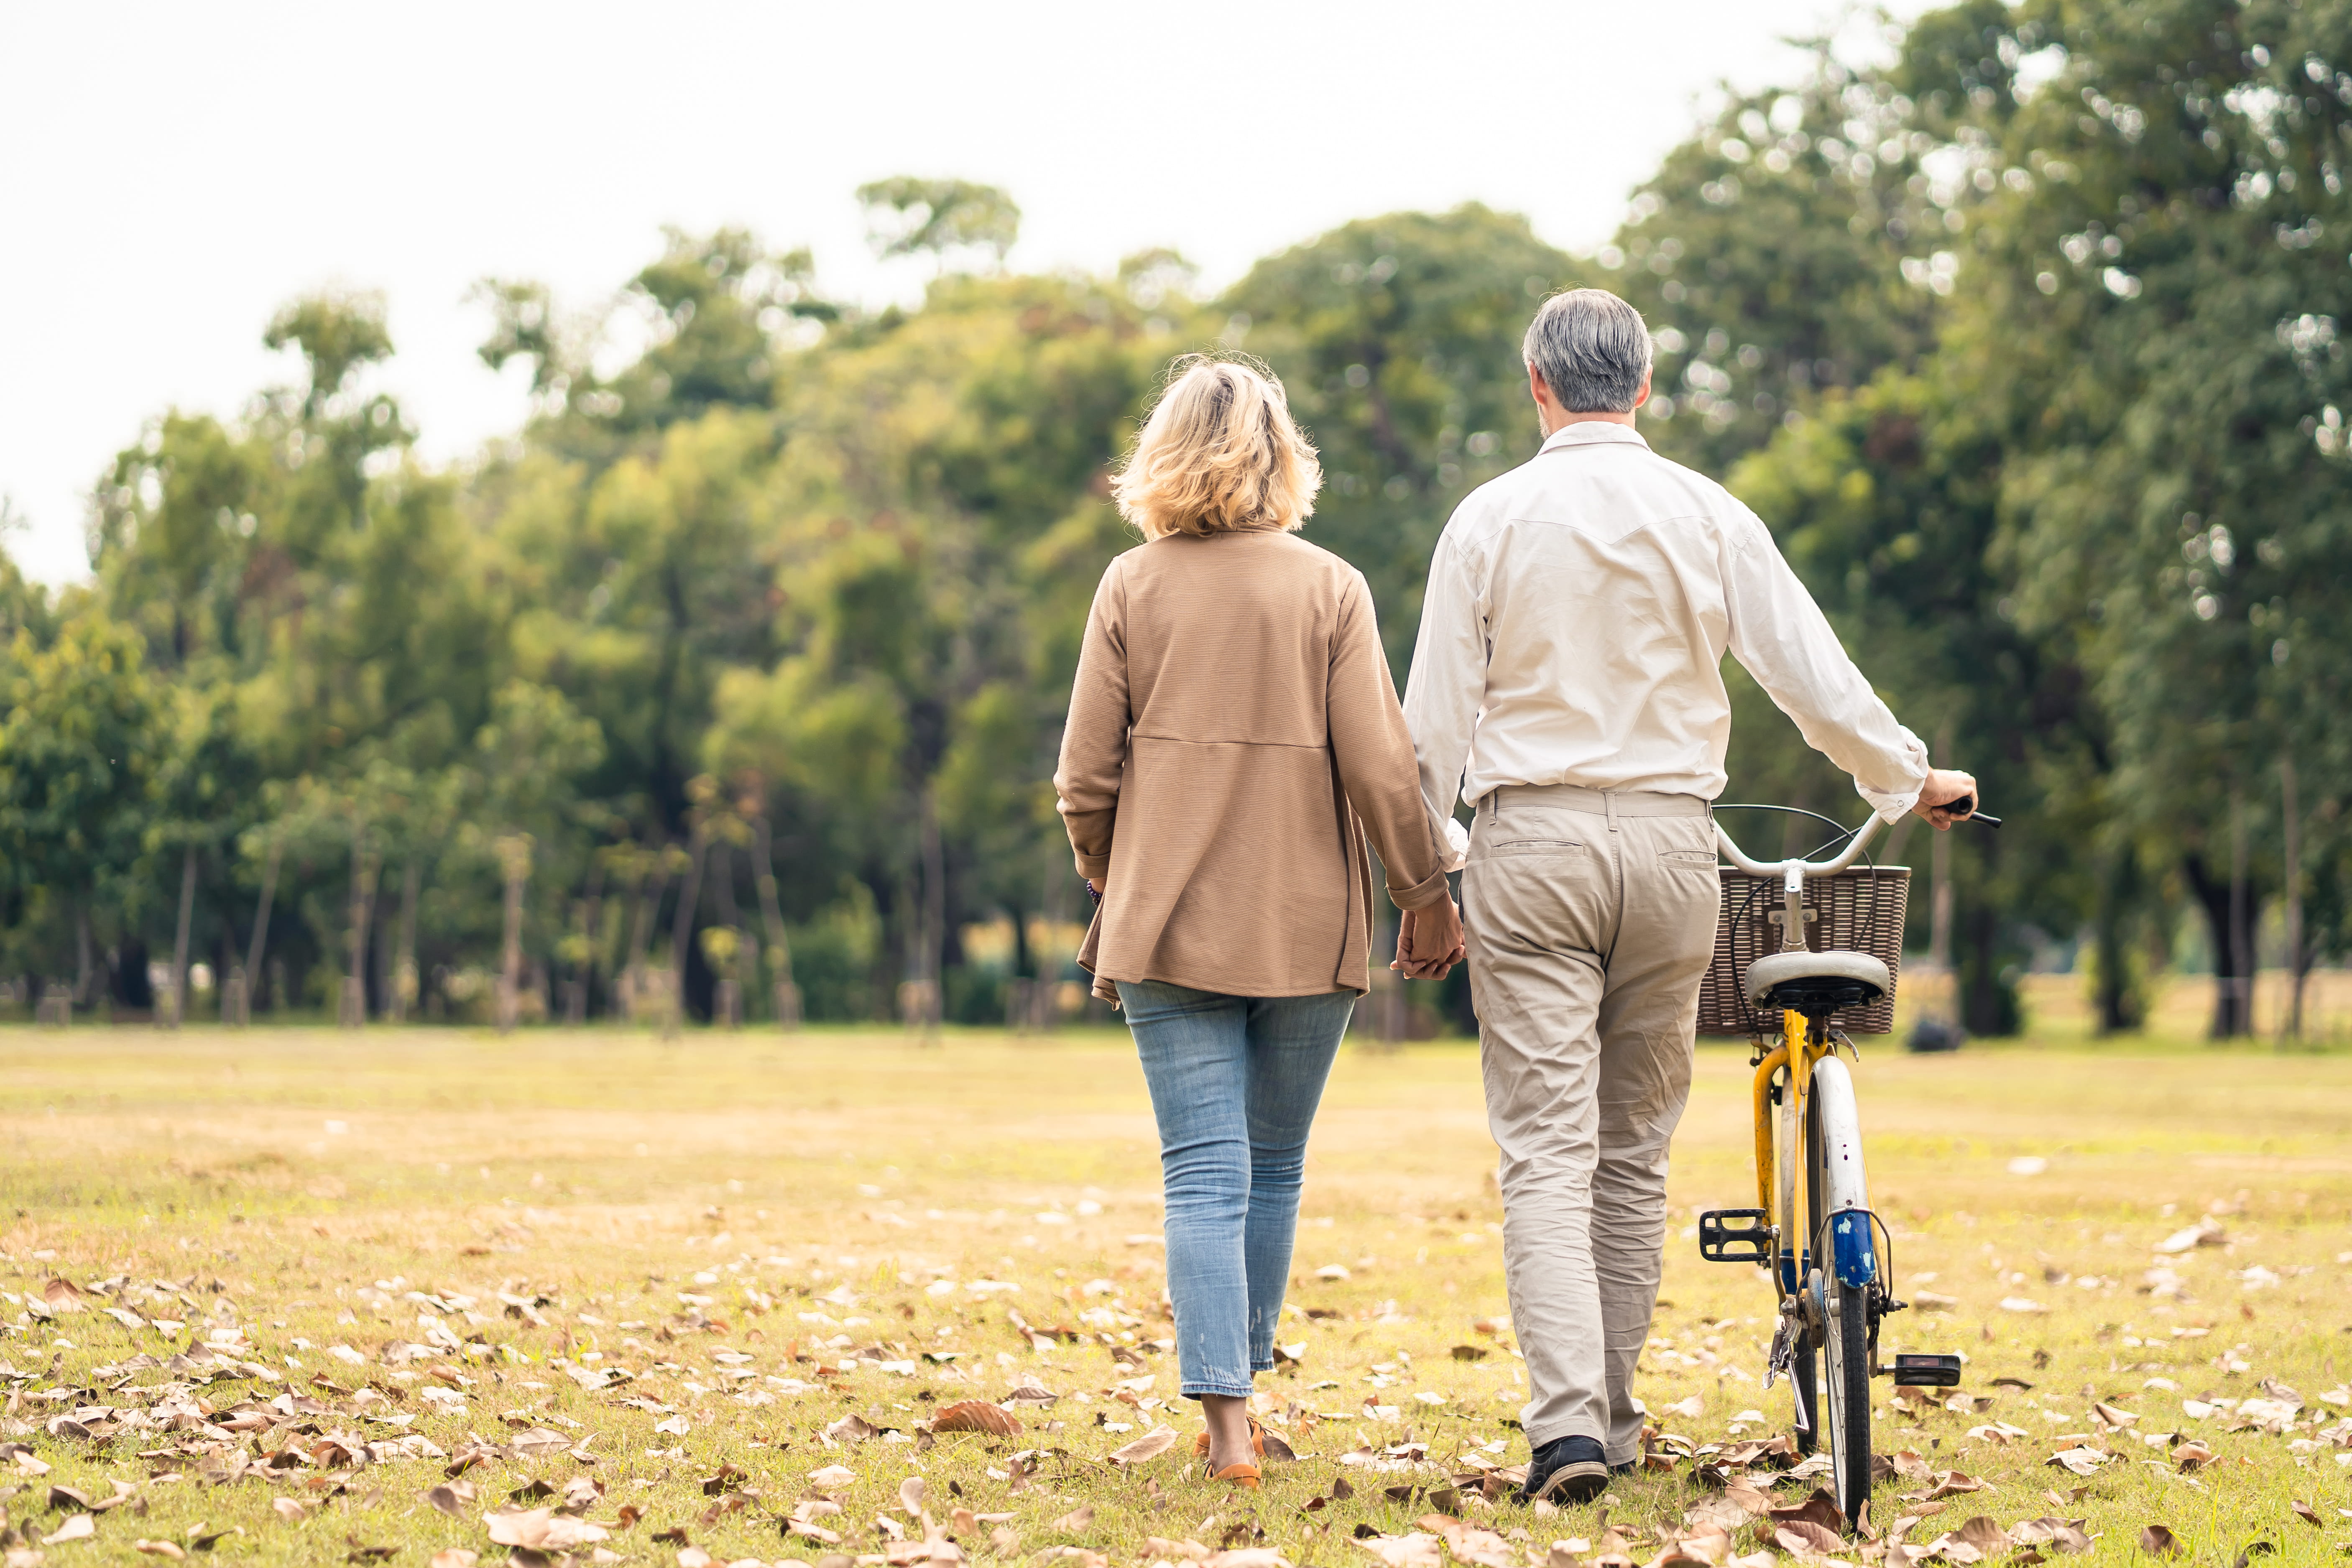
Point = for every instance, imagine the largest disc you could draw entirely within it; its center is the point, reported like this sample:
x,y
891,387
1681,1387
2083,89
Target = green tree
x,y
1797,243
907,216
78,747
2151,313
1397,339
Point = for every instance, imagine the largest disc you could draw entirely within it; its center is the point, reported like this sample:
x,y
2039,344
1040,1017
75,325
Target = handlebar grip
x,y
1965,808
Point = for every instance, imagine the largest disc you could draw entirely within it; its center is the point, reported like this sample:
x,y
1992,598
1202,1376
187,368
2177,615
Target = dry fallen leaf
x,y
1249,1557
1078,1519
2081,1461
543,1529
1418,1550
1150,1445
2191,1456
852,1428
2308,1514
1723,1513
833,1478
911,1492
1155,1547
79,1526
977,1415
2159,1541
170,1548
1689,1409
1806,1539
1950,1482
288,1509
1984,1535
1818,1508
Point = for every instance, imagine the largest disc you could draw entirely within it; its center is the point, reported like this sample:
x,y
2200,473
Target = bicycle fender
x,y
1853,1250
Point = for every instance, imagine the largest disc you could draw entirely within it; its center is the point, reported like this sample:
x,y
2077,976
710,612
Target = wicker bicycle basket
x,y
1856,910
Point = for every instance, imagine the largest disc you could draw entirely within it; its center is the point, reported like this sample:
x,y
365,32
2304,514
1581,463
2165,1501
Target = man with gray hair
x,y
1568,685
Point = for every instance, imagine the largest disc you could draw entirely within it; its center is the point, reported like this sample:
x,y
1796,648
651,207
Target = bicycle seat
x,y
1816,982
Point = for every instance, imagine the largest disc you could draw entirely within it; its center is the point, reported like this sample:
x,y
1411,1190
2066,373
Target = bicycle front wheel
x,y
1844,1412
1844,1274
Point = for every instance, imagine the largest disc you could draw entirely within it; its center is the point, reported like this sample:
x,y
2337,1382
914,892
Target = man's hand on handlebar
x,y
1947,788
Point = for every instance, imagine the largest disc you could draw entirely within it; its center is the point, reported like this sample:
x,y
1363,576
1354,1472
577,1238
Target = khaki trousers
x,y
1591,920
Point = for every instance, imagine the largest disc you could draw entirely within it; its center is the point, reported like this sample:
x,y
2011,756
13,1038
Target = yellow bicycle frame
x,y
1796,1052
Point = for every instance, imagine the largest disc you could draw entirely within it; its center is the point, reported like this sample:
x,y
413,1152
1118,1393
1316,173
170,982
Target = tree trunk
x,y
2242,943
641,933
2291,819
514,867
251,979
179,1006
404,987
2118,1000
1023,962
689,897
726,956
2214,898
934,917
591,911
780,946
81,954
352,1014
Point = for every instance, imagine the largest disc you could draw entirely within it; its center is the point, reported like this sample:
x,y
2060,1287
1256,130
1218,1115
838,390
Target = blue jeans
x,y
1234,1083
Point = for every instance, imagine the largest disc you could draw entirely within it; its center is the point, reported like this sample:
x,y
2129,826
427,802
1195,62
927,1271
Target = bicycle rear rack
x,y
1738,1235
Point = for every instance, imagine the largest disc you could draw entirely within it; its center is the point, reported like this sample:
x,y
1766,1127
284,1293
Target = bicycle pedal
x,y
1912,1371
1737,1235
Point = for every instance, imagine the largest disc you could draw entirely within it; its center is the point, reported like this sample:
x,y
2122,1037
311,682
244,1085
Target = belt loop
x,y
1495,805
1609,803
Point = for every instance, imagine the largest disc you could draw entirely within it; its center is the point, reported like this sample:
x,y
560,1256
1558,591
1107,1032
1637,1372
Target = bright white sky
x,y
169,174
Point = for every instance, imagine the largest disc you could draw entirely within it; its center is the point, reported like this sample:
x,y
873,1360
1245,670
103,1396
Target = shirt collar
x,y
1593,432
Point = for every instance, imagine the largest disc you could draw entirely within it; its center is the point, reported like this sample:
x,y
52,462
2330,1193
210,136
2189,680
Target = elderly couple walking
x,y
1235,741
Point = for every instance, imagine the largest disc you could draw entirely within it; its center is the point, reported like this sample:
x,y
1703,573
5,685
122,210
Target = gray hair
x,y
1592,348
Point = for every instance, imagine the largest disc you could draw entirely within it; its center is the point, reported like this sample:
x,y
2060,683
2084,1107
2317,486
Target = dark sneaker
x,y
1566,1469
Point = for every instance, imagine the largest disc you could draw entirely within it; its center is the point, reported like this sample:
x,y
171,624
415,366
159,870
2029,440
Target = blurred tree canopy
x,y
741,667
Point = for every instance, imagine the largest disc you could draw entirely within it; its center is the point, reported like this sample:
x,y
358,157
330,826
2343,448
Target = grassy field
x,y
304,1296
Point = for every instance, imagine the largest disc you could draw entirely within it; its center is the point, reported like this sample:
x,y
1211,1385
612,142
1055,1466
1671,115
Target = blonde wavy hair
x,y
1220,453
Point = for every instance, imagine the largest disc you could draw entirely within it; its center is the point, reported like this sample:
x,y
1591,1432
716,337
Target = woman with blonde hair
x,y
1234,738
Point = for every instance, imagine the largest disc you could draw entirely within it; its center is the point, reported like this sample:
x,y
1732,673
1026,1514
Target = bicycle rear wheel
x,y
1804,1382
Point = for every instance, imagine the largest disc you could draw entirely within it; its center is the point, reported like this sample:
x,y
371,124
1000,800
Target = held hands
x,y
1945,785
1429,942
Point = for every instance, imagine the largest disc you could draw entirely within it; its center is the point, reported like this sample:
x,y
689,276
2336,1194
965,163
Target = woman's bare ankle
x,y
1228,1416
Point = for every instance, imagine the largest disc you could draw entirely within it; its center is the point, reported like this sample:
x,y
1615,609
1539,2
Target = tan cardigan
x,y
1232,717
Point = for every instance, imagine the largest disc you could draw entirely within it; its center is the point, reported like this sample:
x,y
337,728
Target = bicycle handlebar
x,y
1795,869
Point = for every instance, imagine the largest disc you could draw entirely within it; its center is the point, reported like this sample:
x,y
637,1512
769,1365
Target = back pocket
x,y
1533,847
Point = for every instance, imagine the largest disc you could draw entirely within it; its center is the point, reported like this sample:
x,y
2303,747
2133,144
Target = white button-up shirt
x,y
1574,627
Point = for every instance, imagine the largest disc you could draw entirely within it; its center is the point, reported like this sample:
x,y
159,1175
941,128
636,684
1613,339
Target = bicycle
x,y
1821,1250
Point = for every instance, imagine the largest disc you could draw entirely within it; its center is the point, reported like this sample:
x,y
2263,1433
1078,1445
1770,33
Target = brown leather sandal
x,y
1241,1476
1257,1441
